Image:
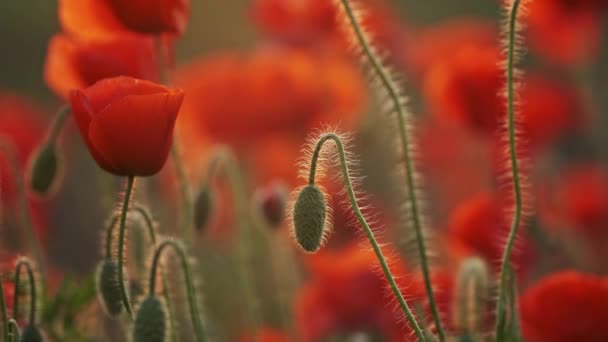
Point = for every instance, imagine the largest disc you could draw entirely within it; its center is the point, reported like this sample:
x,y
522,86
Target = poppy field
x,y
304,170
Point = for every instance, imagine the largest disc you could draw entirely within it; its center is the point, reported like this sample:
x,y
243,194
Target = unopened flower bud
x,y
43,169
203,207
108,287
150,321
310,218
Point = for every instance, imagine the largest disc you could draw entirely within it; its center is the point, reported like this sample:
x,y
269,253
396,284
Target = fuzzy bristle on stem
x,y
516,178
390,92
338,152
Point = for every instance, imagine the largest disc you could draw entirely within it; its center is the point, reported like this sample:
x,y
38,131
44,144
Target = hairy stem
x,y
191,291
121,243
24,215
504,270
32,286
393,92
363,222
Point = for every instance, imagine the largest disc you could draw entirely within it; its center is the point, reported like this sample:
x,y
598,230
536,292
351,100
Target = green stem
x,y
393,92
32,286
192,301
502,290
25,216
224,158
57,125
363,222
121,243
5,323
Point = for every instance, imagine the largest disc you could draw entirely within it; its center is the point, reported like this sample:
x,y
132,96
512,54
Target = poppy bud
x,y
151,321
271,203
108,287
472,296
310,218
203,207
43,169
31,333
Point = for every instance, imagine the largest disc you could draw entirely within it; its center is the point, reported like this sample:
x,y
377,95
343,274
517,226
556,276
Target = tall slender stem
x,y
502,289
363,222
191,291
24,214
224,158
4,310
393,92
121,243
32,286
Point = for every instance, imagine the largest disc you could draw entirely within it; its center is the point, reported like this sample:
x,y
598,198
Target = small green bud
x,y
271,202
203,207
108,287
310,218
31,333
43,171
150,321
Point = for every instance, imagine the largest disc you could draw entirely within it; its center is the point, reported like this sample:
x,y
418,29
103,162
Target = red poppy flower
x,y
466,89
94,18
547,308
478,227
564,32
22,126
127,123
75,64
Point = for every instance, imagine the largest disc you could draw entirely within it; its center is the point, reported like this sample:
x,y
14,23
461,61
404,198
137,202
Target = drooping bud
x,y
43,168
203,207
473,293
31,333
108,287
310,218
271,202
150,321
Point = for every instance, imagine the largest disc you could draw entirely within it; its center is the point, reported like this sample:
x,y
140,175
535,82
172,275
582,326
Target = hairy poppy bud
x,y
472,297
271,203
310,218
203,207
44,168
151,321
108,287
31,333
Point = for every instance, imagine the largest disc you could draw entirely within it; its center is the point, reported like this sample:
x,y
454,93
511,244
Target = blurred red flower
x,y
565,32
431,45
565,307
466,89
22,125
95,18
265,103
479,227
127,123
315,22
578,200
75,64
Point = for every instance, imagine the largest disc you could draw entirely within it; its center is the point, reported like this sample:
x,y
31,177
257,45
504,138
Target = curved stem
x,y
224,158
121,243
57,125
5,321
363,222
192,301
393,92
32,286
25,216
502,290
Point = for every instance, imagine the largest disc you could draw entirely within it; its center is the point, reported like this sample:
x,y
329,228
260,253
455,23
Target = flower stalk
x,y
121,243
